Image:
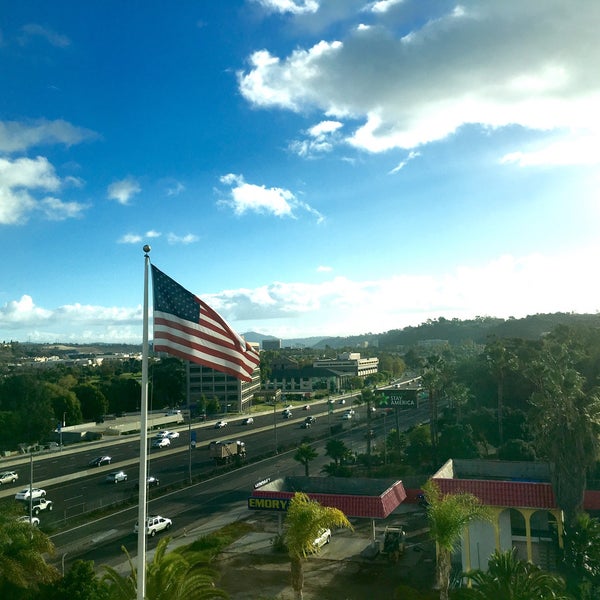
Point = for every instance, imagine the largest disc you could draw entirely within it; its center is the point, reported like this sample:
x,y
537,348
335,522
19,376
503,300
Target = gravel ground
x,y
252,570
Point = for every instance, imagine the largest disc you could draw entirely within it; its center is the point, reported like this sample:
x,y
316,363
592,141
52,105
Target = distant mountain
x,y
454,331
258,338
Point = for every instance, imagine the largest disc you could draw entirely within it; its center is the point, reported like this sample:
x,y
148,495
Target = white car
x,y
349,411
346,416
173,435
116,477
34,521
8,477
323,538
162,434
161,443
35,493
248,421
220,424
154,525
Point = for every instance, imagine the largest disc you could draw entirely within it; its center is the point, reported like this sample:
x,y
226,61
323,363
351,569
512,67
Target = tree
x,y
500,361
305,520
170,576
582,558
168,381
80,583
565,423
22,549
456,441
367,397
337,450
305,454
509,578
433,379
65,404
448,516
93,402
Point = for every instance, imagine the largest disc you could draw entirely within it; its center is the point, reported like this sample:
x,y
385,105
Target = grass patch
x,y
212,544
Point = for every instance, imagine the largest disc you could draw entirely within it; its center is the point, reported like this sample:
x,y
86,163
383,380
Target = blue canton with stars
x,y
172,298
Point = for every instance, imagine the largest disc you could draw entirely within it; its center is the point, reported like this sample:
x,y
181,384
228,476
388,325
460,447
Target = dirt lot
x,y
253,570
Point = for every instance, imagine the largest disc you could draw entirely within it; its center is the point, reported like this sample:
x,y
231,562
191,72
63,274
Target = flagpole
x,y
141,554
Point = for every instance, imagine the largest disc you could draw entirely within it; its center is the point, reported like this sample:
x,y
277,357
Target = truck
x,y
227,450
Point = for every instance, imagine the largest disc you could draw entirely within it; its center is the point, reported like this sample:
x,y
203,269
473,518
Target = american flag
x,y
187,327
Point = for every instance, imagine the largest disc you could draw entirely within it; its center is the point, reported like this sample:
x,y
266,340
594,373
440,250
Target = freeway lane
x,y
190,508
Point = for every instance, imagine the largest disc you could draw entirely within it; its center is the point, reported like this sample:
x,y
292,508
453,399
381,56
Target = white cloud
x,y
135,238
247,197
411,155
505,287
175,189
184,239
383,6
324,269
18,136
122,191
404,86
296,7
322,137
57,210
19,180
53,38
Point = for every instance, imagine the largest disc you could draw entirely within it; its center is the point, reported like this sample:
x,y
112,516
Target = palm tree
x,y
433,378
304,455
565,423
170,576
500,361
448,516
511,578
582,557
22,550
305,521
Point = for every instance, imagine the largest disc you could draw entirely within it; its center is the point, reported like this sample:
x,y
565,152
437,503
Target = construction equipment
x,y
393,543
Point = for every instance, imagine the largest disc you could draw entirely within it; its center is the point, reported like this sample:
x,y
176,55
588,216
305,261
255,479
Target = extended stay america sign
x,y
400,398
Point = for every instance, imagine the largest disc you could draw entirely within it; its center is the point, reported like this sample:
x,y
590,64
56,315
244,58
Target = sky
x,y
306,167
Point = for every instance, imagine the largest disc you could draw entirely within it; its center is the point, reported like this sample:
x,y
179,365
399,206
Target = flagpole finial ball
x,y
146,248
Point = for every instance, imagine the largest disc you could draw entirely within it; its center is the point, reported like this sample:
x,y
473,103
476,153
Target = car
x,y
162,434
173,413
8,477
151,481
220,424
305,425
116,477
99,461
35,493
33,521
287,415
161,443
154,525
173,435
342,401
248,421
310,420
323,538
349,411
346,416
38,505
306,407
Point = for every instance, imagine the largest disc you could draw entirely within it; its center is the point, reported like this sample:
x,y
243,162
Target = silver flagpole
x,y
141,555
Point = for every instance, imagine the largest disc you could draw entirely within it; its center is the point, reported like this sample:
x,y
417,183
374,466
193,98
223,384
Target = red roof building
x,y
523,505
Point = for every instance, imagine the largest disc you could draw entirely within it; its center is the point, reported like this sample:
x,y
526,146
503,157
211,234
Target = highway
x,y
78,490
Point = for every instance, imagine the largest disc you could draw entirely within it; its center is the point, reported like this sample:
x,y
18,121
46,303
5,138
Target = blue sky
x,y
307,167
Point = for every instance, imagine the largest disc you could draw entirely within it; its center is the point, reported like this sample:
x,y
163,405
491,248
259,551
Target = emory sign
x,y
280,504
